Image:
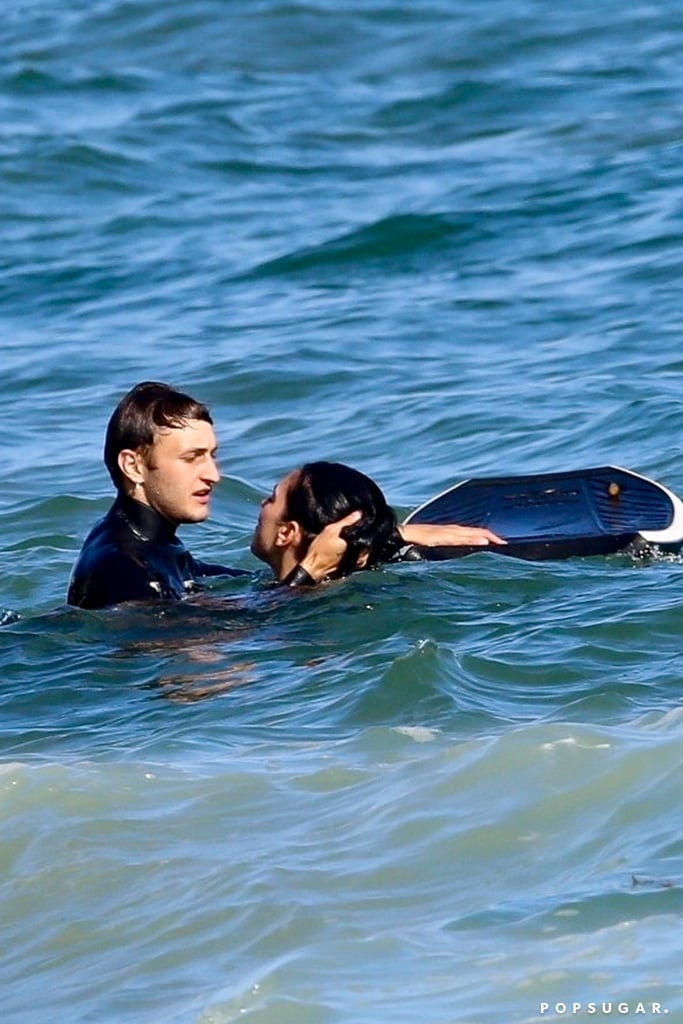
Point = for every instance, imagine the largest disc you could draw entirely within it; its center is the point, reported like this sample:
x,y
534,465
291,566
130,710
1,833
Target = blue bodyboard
x,y
558,515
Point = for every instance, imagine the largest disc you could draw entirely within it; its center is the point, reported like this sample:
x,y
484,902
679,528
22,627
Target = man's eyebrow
x,y
199,450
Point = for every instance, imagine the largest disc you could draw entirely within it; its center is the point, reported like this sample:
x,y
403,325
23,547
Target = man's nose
x,y
211,471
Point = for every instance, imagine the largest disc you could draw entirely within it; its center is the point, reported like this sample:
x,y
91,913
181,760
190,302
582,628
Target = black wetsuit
x,y
133,554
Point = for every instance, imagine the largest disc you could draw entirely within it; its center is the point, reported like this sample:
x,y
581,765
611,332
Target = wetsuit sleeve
x,y
199,568
298,577
409,553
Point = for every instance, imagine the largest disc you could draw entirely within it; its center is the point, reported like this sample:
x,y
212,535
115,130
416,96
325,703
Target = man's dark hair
x,y
323,492
146,408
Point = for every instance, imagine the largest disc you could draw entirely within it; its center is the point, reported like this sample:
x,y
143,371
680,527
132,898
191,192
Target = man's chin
x,y
195,516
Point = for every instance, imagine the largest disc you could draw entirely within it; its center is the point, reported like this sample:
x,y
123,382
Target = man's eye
x,y
199,457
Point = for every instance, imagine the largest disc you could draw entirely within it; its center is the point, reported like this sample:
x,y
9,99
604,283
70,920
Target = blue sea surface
x,y
434,240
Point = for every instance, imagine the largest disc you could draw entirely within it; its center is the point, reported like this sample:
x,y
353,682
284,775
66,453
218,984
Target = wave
x,y
400,239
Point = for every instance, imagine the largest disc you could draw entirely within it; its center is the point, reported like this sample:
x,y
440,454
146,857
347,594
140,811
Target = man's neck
x,y
145,520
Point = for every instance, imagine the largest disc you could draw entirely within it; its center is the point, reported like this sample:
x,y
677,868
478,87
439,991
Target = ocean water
x,y
434,240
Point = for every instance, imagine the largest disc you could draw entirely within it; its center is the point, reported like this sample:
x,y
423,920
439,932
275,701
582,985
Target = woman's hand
x,y
449,535
327,549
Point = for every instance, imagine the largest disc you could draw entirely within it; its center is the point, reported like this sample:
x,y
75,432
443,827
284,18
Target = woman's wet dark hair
x,y
324,492
140,413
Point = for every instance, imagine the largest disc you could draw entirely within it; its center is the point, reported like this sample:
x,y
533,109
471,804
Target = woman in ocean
x,y
318,493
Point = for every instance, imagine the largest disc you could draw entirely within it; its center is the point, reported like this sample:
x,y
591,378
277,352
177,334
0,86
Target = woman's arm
x,y
451,535
326,550
324,554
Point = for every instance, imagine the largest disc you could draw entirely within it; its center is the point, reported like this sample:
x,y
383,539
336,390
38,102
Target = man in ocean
x,y
160,451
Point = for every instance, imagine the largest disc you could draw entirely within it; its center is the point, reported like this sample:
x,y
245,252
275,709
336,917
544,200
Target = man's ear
x,y
131,466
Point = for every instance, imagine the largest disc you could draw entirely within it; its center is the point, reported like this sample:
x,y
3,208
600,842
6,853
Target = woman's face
x,y
268,537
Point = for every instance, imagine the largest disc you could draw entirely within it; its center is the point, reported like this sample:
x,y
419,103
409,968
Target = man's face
x,y
179,472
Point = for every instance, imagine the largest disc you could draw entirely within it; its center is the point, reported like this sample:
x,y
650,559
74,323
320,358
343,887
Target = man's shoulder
x,y
104,574
109,568
110,539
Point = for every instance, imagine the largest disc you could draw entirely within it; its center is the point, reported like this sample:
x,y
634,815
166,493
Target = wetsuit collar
x,y
146,522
